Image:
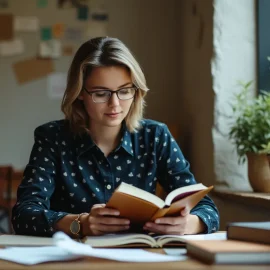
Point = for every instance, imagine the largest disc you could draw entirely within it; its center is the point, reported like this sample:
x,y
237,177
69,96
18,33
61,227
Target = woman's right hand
x,y
102,220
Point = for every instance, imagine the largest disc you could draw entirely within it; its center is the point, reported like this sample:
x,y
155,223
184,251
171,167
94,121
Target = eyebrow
x,y
105,88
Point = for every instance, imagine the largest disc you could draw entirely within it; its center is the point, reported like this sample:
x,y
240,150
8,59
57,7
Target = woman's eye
x,y
124,91
101,94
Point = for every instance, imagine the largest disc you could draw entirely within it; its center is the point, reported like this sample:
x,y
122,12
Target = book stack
x,y
247,243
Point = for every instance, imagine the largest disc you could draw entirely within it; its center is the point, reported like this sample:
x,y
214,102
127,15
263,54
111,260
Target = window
x,y
263,44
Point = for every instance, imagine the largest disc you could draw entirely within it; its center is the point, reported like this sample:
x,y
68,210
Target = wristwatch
x,y
75,226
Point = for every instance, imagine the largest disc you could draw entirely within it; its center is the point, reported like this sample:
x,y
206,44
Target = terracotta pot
x,y
259,172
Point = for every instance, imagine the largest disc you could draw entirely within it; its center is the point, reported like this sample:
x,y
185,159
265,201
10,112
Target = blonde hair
x,y
100,52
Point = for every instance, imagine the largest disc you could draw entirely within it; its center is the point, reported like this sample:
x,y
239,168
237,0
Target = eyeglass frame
x,y
111,93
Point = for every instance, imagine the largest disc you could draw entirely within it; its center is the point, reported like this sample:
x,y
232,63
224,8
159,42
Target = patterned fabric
x,y
69,174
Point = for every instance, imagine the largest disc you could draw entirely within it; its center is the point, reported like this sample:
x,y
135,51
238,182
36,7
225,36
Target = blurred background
x,y
192,52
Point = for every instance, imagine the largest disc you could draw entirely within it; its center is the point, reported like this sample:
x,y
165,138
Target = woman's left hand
x,y
183,224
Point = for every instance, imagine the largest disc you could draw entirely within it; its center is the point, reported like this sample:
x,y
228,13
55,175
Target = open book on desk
x,y
112,240
140,206
146,240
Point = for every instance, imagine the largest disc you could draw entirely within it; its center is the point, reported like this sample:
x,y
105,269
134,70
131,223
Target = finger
x,y
108,228
171,220
184,212
112,221
105,211
164,229
100,205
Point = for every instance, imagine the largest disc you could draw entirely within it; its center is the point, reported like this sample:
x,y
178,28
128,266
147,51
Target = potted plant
x,y
251,135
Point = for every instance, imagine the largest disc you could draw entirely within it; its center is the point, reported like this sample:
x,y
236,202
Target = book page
x,y
141,194
183,192
111,240
24,240
164,239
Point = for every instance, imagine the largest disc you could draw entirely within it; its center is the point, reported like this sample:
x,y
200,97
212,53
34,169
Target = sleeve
x,y
31,215
174,172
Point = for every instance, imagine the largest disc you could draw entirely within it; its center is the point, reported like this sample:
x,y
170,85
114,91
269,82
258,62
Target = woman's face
x,y
114,111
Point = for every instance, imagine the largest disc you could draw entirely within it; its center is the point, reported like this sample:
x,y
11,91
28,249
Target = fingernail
x,y
157,221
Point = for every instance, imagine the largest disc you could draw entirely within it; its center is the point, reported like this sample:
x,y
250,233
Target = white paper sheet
x,y
50,49
182,251
10,48
210,236
67,249
28,24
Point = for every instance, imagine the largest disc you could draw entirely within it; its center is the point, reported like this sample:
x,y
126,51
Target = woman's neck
x,y
106,138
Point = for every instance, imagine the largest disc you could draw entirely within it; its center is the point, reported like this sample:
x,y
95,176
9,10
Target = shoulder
x,y
149,124
52,129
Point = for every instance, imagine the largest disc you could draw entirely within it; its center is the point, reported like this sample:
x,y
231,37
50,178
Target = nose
x,y
114,100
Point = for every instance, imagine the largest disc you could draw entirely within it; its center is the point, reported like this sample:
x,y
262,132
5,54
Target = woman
x,y
77,163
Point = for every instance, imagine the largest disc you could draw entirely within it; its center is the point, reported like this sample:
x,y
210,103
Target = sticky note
x,y
82,13
42,3
67,50
46,33
58,30
6,26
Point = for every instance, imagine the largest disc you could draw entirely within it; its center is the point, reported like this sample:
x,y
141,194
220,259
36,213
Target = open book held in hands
x,y
140,206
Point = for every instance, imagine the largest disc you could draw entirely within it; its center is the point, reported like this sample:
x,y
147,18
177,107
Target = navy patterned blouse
x,y
69,174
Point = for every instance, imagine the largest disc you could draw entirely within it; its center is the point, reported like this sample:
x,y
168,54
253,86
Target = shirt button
x,y
109,186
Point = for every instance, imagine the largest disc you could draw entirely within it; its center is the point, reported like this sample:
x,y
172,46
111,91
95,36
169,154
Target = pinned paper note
x,y
74,34
6,26
82,13
27,24
10,48
99,14
67,50
46,33
50,49
42,3
58,30
96,29
3,3
32,69
56,85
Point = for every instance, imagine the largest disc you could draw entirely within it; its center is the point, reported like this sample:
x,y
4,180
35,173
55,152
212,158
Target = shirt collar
x,y
84,142
126,142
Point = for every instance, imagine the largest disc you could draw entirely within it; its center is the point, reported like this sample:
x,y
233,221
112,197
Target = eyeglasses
x,y
102,96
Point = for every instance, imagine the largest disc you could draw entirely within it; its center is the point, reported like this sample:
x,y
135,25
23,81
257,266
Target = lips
x,y
113,113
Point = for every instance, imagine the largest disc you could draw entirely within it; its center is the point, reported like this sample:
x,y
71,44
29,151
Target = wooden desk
x,y
98,264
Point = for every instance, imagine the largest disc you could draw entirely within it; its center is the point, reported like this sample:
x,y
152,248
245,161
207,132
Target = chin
x,y
115,123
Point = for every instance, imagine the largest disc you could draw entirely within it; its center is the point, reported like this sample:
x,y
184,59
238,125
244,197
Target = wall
x,y
234,59
194,91
147,27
